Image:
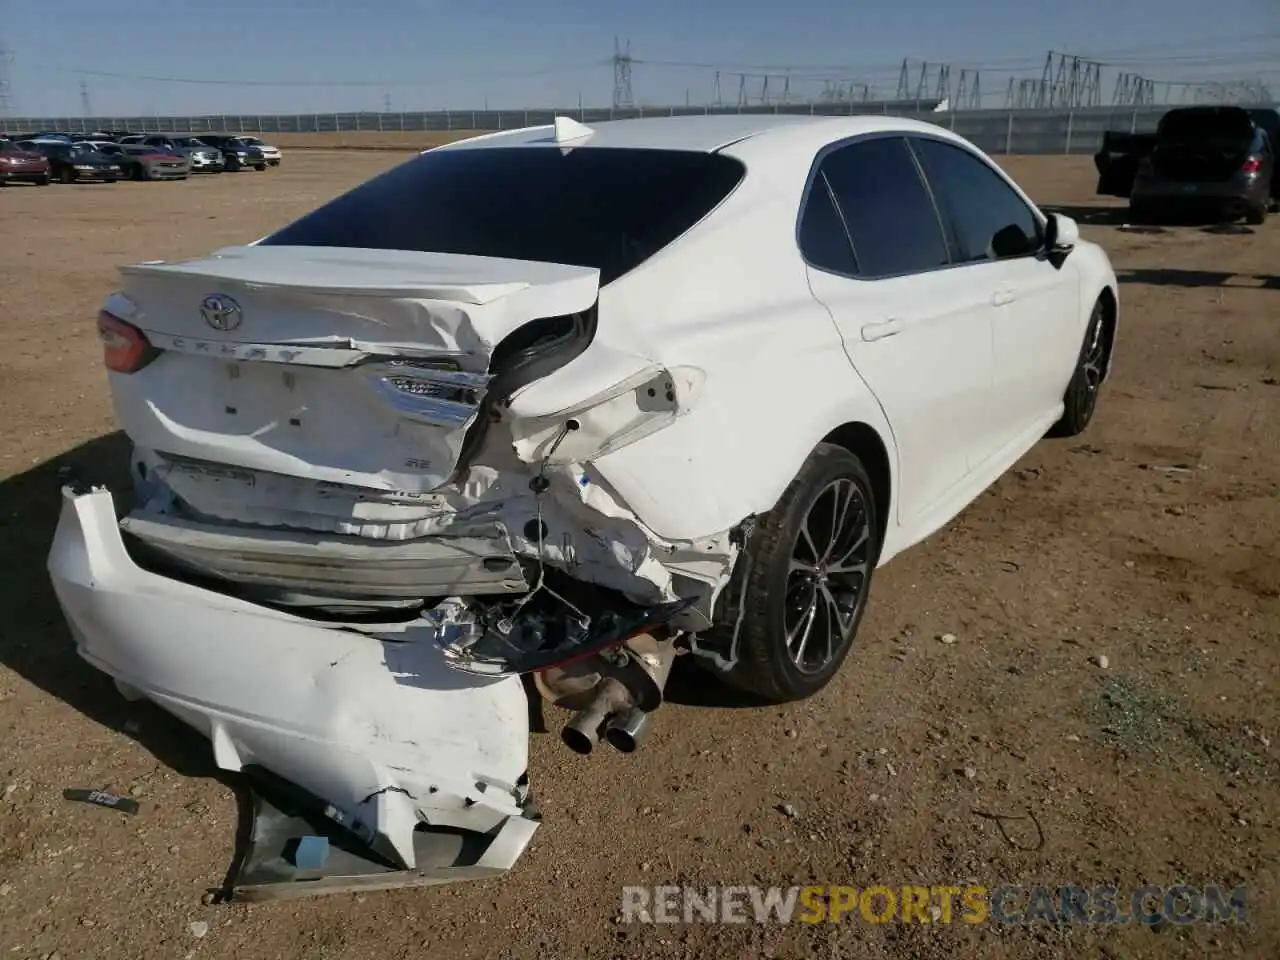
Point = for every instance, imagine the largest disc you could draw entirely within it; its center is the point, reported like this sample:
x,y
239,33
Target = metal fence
x,y
995,131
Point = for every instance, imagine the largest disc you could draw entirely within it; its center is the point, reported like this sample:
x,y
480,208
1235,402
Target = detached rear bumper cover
x,y
384,732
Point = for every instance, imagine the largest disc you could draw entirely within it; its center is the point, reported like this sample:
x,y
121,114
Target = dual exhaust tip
x,y
622,730
621,699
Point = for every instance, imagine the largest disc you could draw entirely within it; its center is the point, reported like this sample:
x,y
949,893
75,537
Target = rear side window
x,y
887,208
990,221
596,207
1201,124
824,242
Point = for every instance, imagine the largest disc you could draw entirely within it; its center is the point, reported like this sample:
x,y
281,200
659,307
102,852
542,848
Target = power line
x,y
402,82
1107,57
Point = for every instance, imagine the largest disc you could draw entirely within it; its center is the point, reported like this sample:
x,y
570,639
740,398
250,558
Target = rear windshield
x,y
1207,123
606,208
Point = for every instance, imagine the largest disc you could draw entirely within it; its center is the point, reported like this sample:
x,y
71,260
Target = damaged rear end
x,y
365,502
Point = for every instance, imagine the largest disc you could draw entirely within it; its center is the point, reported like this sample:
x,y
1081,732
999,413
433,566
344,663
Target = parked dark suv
x,y
236,154
1219,160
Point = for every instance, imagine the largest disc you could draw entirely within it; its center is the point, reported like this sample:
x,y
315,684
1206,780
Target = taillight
x,y
1252,165
125,348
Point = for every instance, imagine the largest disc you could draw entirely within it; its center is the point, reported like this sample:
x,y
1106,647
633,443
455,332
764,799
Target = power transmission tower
x,y
969,91
86,108
6,100
1133,91
622,96
1022,94
1069,82
933,80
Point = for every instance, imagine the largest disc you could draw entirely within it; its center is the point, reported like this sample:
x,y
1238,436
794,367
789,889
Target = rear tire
x,y
808,565
42,181
139,172
66,175
1256,216
1081,398
1139,212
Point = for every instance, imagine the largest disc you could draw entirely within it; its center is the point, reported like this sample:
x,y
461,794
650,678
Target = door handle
x,y
878,331
1002,296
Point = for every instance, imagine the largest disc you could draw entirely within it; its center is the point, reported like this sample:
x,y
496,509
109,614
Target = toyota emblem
x,y
220,312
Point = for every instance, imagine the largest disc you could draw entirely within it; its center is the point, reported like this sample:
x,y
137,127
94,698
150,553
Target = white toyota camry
x,y
564,402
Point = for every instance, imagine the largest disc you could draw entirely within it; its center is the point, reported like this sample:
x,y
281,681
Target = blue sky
x,y
313,55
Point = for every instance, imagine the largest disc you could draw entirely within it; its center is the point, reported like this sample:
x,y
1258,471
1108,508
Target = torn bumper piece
x,y
387,737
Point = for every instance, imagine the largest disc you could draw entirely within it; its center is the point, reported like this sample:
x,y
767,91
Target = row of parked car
x,y
108,156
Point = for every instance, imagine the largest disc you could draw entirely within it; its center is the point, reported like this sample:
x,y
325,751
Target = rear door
x,y
915,330
1035,304
1117,162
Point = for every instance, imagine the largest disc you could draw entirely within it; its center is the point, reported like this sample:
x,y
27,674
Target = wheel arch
x,y
1110,301
864,442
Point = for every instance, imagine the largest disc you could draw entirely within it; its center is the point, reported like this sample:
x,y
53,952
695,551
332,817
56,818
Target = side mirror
x,y
1061,233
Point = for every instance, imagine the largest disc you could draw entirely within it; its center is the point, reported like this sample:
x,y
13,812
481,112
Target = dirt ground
x,y
1151,541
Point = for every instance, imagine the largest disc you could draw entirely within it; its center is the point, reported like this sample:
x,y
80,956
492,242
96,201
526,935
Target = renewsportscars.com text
x,y
969,904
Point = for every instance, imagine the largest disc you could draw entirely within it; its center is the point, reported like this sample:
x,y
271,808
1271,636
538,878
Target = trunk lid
x,y
353,366
1202,144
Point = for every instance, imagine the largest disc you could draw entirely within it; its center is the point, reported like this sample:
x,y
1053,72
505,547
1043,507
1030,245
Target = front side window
x,y
988,218
889,213
604,207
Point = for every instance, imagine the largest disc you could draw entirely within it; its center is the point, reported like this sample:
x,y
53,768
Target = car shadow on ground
x,y
693,686
37,645
1129,222
1171,277
1096,216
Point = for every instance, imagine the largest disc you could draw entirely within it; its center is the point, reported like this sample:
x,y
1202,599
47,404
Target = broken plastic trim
x,y
277,819
721,649
528,353
491,639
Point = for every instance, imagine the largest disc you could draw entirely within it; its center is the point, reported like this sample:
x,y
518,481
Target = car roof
x,y
702,134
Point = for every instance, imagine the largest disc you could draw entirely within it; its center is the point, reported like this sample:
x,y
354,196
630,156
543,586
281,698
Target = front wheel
x,y
42,181
809,564
67,175
1081,398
